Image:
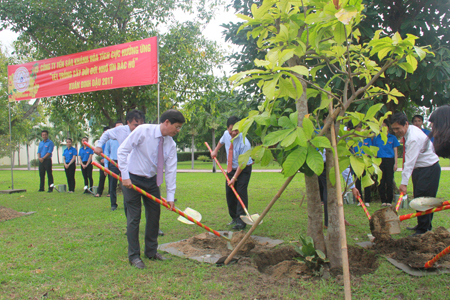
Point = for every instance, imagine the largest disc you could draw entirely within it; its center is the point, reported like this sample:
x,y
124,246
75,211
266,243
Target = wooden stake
x,y
342,233
266,210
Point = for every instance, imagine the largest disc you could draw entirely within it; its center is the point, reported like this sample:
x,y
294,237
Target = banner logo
x,y
21,79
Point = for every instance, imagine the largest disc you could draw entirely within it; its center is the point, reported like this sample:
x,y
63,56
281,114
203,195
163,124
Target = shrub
x,y
34,162
204,158
186,156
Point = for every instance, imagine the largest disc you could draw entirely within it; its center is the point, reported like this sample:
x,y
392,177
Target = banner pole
x,y
10,144
157,50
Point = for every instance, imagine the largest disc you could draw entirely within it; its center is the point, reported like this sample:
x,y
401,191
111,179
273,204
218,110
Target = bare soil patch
x,y
8,214
416,251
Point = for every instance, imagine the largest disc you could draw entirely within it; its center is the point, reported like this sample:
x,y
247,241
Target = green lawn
x,y
74,247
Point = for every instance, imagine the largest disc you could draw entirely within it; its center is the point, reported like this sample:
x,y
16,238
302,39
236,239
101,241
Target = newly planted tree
x,y
300,38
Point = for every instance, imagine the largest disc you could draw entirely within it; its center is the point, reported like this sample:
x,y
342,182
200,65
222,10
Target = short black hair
x,y
232,120
118,122
85,137
386,121
46,131
173,115
69,139
417,116
136,115
399,118
441,130
105,128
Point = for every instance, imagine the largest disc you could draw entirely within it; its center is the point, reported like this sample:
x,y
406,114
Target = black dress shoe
x,y
113,208
158,256
239,226
232,223
50,191
412,228
416,234
41,190
160,232
138,263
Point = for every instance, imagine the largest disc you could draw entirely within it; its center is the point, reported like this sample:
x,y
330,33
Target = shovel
x,y
188,211
386,220
426,203
247,219
430,263
164,203
53,187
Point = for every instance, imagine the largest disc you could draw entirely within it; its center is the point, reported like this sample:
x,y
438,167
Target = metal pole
x,y
10,144
157,49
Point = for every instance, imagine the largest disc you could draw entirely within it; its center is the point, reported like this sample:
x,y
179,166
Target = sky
x,y
213,31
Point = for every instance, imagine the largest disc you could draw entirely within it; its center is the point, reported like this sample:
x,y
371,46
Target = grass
x,y
74,247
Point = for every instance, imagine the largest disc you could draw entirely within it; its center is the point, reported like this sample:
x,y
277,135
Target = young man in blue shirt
x,y
70,156
238,177
44,153
85,156
388,154
101,181
110,150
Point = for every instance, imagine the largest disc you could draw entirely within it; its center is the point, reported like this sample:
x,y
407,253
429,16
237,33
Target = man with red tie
x,y
235,145
142,157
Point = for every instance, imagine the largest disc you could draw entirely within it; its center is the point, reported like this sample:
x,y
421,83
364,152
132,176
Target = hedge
x,y
187,156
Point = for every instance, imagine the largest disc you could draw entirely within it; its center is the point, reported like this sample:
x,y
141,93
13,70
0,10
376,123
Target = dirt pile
x,y
8,214
416,251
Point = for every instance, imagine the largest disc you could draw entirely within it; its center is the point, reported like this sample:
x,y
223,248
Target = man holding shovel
x,y
142,157
235,145
421,163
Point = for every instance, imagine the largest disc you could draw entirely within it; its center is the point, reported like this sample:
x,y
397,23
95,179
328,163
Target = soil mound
x,y
416,251
249,244
8,214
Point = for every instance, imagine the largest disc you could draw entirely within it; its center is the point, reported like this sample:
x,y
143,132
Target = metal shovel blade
x,y
384,222
250,221
425,203
191,213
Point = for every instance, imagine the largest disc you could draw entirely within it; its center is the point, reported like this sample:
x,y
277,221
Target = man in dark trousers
x,y
69,157
85,155
142,158
101,182
238,177
421,163
44,153
110,150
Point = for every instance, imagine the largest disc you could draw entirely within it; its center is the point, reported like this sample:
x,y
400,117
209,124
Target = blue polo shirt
x,y
45,147
367,142
84,153
69,153
386,150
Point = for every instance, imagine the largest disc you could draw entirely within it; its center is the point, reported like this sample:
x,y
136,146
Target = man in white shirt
x,y
238,177
141,158
421,163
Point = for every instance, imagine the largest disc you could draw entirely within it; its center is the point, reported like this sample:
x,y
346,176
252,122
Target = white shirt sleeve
x,y
411,155
107,135
171,173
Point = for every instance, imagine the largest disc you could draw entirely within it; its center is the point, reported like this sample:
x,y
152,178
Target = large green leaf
x,y
289,140
308,128
321,142
301,137
373,110
357,165
314,160
243,158
339,33
257,153
294,161
285,122
267,157
276,136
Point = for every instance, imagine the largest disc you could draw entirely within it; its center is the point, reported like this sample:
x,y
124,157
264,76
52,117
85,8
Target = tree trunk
x,y
18,156
192,153
214,147
333,238
315,220
28,157
57,153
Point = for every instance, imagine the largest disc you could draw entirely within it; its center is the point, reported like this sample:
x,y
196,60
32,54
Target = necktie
x,y
160,165
230,159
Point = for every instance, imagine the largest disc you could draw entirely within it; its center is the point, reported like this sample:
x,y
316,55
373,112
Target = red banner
x,y
124,65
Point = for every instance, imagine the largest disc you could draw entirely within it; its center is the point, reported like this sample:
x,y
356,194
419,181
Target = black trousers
x,y
386,187
235,208
101,182
113,186
132,200
323,193
425,184
367,195
87,175
70,175
45,166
